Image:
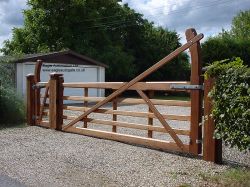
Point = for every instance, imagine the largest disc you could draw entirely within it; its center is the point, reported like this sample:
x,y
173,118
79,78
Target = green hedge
x,y
231,102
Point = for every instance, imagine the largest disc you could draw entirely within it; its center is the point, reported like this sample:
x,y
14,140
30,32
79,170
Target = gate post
x,y
56,101
30,100
212,150
196,95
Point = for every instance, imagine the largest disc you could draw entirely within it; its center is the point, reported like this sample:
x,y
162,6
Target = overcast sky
x,y
206,16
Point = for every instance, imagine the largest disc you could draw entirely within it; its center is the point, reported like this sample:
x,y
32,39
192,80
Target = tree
x,y
229,44
241,26
104,30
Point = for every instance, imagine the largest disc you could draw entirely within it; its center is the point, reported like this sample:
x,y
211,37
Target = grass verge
x,y
231,177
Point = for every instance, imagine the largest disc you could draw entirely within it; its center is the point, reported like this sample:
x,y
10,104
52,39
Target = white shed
x,y
74,67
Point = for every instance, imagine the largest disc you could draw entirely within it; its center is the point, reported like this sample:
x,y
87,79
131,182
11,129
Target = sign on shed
x,y
75,67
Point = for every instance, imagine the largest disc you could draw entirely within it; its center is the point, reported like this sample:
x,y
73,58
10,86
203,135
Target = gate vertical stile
x,y
114,103
150,119
196,95
86,94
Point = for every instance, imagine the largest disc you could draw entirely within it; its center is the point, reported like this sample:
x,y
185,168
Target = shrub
x,y
231,102
11,105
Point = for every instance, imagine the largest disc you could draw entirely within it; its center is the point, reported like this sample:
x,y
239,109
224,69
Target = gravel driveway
x,y
34,156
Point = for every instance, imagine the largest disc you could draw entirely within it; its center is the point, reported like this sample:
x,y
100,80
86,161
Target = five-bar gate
x,y
48,109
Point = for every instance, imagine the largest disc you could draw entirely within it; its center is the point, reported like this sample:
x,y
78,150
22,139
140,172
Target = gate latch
x,y
186,87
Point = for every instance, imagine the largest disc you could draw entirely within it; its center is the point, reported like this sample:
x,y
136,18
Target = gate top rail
x,y
156,86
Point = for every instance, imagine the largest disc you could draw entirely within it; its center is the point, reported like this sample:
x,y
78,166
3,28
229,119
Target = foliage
x,y
229,44
11,105
104,30
241,26
231,102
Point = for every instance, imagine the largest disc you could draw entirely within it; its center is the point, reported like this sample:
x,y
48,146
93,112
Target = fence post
x,y
56,101
196,95
30,99
212,149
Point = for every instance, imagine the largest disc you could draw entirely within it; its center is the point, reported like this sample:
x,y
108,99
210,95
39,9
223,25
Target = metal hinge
x,y
186,87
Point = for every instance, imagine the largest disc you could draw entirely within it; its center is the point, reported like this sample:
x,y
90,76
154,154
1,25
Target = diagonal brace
x,y
161,119
150,70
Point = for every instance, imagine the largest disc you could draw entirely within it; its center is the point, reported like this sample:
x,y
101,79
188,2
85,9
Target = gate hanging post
x,y
196,95
212,150
56,101
30,104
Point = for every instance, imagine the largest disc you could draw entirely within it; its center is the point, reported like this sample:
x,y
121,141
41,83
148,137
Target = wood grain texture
x,y
37,73
131,101
196,95
152,143
56,101
161,86
86,94
129,113
150,119
114,128
212,150
46,95
131,125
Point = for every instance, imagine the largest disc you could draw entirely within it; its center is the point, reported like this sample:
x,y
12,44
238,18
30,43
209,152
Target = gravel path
x,y
35,156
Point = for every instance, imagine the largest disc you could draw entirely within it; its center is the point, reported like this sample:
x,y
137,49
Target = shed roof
x,y
64,57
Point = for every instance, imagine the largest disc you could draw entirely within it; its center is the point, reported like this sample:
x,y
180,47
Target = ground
x,y
35,156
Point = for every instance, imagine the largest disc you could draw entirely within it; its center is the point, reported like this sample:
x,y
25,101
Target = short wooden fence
x,y
52,113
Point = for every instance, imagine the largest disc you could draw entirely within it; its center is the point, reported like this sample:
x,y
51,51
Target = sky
x,y
206,16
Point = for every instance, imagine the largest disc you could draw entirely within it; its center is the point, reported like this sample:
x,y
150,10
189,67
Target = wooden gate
x,y
53,113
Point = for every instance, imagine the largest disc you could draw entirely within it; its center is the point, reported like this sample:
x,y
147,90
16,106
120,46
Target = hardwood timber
x,y
131,101
56,101
139,78
162,120
46,94
37,73
196,95
158,86
212,150
30,99
150,119
152,143
86,94
129,113
131,125
114,129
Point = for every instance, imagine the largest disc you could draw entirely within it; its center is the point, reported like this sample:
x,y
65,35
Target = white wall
x,y
71,73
